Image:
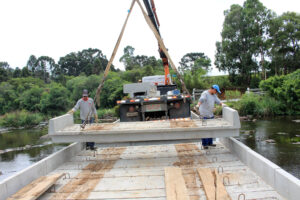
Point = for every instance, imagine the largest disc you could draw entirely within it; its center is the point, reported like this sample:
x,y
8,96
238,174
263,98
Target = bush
x,y
106,113
232,94
31,98
285,89
252,104
8,98
56,101
269,107
249,104
20,119
254,83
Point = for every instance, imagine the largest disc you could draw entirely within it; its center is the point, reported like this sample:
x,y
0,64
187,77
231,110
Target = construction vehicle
x,y
156,97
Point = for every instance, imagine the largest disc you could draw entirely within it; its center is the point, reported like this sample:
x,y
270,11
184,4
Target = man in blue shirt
x,y
206,106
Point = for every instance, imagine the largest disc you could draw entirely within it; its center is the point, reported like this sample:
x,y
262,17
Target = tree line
x,y
257,41
256,44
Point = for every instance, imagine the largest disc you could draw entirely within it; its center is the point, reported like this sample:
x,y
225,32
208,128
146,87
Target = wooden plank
x,y
36,188
208,182
175,185
221,190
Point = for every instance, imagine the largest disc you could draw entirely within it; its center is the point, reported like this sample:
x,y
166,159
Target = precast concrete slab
x,y
137,172
62,129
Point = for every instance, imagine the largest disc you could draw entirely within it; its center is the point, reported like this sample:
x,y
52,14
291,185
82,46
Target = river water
x,y
277,139
17,155
272,138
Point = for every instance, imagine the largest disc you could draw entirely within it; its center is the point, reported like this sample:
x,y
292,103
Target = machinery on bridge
x,y
156,97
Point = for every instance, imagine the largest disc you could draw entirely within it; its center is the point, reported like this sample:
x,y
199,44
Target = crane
x,y
151,10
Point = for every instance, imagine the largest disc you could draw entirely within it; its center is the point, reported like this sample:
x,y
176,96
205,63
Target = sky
x,y
55,28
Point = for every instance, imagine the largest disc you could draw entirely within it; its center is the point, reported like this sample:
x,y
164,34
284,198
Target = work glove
x,y
70,112
96,118
224,105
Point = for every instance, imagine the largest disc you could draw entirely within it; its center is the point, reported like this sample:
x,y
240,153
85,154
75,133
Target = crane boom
x,y
151,10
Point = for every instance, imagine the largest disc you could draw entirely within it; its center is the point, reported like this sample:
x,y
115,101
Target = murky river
x,y
21,148
275,139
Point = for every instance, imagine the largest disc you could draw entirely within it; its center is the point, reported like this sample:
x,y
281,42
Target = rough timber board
x,y
175,184
208,182
142,177
36,188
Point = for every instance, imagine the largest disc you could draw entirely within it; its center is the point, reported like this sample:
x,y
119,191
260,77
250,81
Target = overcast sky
x,y
57,27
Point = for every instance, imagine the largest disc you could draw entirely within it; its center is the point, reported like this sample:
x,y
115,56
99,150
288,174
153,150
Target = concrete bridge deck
x,y
137,172
63,129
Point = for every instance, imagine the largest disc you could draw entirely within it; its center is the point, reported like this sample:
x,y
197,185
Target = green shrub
x,y
56,101
285,89
254,83
106,113
269,106
20,119
232,94
30,99
249,104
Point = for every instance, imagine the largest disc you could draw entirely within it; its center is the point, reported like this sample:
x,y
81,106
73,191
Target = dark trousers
x,y
207,141
89,144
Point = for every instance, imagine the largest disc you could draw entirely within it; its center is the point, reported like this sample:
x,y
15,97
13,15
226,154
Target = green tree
x,y
8,98
128,58
244,44
17,73
88,61
56,101
194,61
112,91
4,71
285,37
30,99
44,66
25,72
32,63
286,89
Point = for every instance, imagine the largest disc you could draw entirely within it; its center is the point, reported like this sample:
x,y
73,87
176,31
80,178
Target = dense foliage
x,y
255,40
285,89
255,44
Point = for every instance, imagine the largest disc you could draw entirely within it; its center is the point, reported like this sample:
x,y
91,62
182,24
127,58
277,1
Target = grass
x,y
21,119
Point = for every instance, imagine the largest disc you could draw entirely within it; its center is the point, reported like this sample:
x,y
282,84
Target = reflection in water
x,y
14,161
21,137
274,140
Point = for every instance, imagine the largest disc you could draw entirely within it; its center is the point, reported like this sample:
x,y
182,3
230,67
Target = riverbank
x,y
24,119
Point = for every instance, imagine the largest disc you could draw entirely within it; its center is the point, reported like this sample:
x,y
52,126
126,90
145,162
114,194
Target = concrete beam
x,y
284,183
140,136
14,183
232,116
63,130
59,123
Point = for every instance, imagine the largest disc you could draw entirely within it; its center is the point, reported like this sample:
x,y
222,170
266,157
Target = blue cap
x,y
217,88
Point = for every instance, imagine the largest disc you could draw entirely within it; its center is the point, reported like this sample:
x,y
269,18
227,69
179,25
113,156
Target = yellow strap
x,y
97,96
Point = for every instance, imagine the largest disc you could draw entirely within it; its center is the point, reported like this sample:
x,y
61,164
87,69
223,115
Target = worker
x,y
88,113
206,105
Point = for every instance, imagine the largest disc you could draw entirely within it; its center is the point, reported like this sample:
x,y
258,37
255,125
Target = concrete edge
x,y
60,122
232,116
283,182
14,183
